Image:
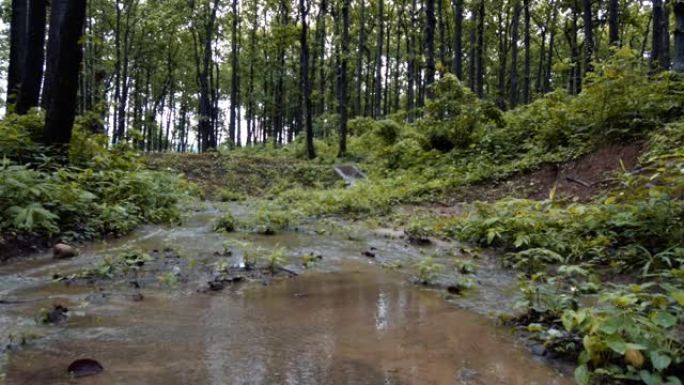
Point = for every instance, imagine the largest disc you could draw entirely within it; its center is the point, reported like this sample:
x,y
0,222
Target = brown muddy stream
x,y
345,321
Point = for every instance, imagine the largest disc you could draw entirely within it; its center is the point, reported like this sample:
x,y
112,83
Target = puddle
x,y
348,321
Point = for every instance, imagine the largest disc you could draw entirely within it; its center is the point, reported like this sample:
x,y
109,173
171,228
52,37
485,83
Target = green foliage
x,y
428,269
275,260
454,116
100,192
226,223
228,195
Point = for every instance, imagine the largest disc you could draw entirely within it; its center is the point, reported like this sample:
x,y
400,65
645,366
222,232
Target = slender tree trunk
x,y
515,26
411,69
377,94
528,60
588,36
481,49
441,28
472,69
430,44
304,80
552,38
359,57
34,58
343,78
656,47
234,74
64,54
458,38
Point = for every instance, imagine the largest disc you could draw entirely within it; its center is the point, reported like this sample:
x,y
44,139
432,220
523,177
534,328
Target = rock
x,y
137,297
85,367
58,314
63,251
538,350
369,254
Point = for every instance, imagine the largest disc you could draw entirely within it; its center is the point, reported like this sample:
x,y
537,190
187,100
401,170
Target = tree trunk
x,y
234,75
64,55
588,36
515,25
34,58
430,44
411,67
458,38
359,56
343,78
377,94
18,45
528,59
656,47
678,64
304,80
481,49
614,22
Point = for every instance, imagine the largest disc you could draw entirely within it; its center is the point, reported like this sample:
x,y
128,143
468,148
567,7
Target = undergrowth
x,y
96,191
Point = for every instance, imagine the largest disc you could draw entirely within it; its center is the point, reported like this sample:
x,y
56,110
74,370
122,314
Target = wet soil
x,y
345,320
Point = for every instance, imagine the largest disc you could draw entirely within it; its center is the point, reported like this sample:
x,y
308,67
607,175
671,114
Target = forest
x,y
343,192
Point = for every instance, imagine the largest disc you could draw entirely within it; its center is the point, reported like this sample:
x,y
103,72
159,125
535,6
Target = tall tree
x,y
515,26
430,42
377,93
34,57
18,39
678,64
588,36
528,49
342,75
304,79
614,22
458,38
359,56
234,89
64,55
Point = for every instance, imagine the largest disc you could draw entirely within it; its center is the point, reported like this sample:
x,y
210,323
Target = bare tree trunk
x,y
377,93
343,78
64,55
614,22
458,38
304,80
18,44
34,58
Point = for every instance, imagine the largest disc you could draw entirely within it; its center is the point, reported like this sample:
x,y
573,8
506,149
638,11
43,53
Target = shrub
x,y
226,223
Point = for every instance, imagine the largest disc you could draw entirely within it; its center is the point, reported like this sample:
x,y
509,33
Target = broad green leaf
x,y
660,361
664,319
582,375
616,343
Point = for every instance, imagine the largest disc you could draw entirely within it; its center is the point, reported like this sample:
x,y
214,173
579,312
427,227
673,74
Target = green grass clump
x,y
226,223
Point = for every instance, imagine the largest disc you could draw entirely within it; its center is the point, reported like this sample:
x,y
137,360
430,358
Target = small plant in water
x,y
168,279
428,270
275,260
226,223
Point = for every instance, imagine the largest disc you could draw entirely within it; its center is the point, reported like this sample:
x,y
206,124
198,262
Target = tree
x,y
377,93
458,38
678,64
342,76
304,80
18,39
514,53
63,60
588,36
34,57
614,22
430,43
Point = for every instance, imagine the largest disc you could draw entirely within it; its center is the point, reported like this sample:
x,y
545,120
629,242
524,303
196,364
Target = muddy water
x,y
347,321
